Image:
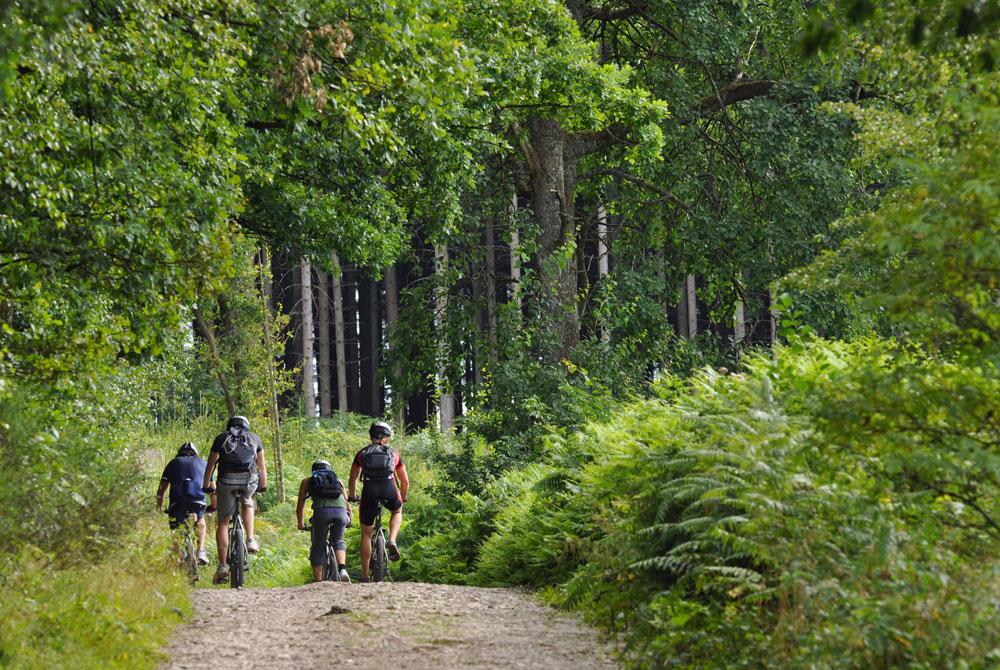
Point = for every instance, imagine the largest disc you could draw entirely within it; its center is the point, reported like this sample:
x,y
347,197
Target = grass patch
x,y
117,613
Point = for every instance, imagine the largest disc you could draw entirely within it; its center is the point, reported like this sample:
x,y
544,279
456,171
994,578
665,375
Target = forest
x,y
687,313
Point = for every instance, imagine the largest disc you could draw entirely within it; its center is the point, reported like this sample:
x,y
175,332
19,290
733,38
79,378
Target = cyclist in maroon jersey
x,y
385,480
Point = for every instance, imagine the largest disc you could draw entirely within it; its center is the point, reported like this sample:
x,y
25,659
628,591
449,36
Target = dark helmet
x,y
238,422
379,429
187,449
321,465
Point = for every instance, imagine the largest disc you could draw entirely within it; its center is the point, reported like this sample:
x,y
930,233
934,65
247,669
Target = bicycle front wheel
x,y
379,558
237,556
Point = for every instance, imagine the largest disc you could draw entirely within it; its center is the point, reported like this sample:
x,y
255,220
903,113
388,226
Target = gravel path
x,y
401,625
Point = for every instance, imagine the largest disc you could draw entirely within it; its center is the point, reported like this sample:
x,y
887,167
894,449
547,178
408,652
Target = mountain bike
x,y
238,559
186,554
378,566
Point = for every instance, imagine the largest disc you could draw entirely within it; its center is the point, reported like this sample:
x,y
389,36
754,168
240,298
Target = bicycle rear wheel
x,y
330,573
237,555
379,558
190,558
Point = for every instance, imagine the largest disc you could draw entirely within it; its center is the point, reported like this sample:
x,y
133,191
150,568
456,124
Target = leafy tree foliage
x,y
100,244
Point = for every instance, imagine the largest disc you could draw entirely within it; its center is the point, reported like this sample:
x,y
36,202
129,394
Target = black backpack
x,y
377,462
239,452
325,484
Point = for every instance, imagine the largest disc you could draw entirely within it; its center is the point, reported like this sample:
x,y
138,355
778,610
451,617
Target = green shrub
x,y
828,508
116,612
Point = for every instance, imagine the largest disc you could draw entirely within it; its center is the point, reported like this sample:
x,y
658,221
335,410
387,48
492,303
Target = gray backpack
x,y
238,452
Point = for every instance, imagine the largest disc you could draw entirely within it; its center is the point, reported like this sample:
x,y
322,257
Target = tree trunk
x,y
446,404
515,259
308,376
338,326
739,323
275,416
687,310
553,183
237,381
491,287
602,258
323,355
370,343
351,339
375,318
771,311
207,332
391,318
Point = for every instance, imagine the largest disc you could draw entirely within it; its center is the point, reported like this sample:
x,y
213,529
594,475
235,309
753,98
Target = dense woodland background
x,y
687,312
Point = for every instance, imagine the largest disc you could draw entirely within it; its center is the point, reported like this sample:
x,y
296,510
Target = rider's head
x,y
187,449
379,429
238,422
321,465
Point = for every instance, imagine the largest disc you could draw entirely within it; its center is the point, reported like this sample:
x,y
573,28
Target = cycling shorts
x,y
236,481
179,512
383,490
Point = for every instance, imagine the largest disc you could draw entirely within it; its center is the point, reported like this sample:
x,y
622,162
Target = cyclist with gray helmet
x,y
239,455
331,515
184,475
385,480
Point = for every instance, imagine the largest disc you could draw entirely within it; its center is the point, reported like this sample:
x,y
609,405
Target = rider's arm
x,y
213,458
262,469
159,493
403,479
353,482
300,507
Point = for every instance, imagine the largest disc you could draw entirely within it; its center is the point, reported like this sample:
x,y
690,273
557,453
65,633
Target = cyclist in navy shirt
x,y
184,475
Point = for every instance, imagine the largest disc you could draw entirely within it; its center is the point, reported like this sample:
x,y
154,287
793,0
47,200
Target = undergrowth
x,y
834,507
116,612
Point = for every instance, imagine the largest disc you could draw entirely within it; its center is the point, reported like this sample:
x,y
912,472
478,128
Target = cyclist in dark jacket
x,y
388,484
184,475
329,513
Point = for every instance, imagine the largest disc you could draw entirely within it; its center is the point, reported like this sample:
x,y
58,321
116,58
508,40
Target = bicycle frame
x,y
330,571
237,558
185,549
378,566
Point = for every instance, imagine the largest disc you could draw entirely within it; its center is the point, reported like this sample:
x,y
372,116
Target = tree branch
x,y
605,14
665,194
737,91
582,143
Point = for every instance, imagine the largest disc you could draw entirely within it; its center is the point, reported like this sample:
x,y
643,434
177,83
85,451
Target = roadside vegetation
x,y
688,313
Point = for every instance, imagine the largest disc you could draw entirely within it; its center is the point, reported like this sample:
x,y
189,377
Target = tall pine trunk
x,y
687,309
351,343
323,343
338,327
391,282
491,287
515,258
266,299
376,388
308,377
446,403
603,259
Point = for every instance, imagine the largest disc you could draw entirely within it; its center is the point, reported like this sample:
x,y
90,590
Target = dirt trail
x,y
401,625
